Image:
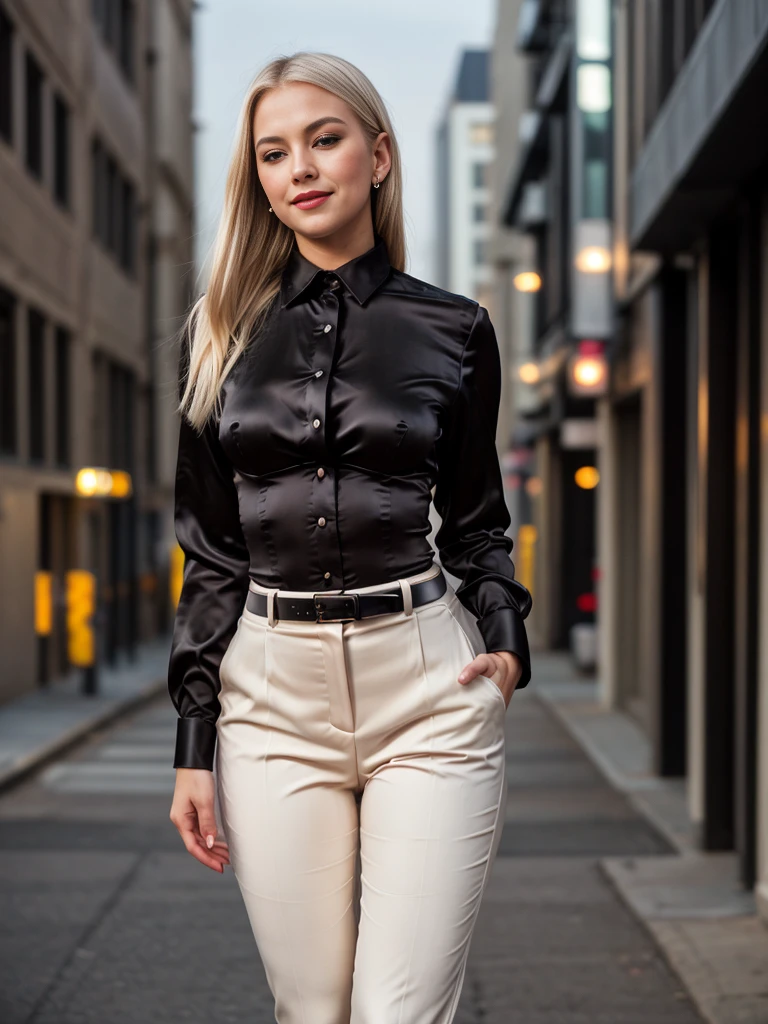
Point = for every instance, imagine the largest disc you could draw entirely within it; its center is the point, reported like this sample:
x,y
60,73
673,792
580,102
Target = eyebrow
x,y
310,128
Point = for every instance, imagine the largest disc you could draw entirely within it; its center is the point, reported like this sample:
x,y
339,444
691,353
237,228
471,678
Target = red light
x,y
590,347
587,602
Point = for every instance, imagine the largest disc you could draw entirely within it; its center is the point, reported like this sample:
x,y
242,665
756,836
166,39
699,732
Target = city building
x,y
557,191
644,183
685,516
96,231
465,145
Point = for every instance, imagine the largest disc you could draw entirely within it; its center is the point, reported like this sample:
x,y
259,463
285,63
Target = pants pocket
x,y
473,638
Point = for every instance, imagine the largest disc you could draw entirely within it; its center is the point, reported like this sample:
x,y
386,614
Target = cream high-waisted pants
x,y
361,789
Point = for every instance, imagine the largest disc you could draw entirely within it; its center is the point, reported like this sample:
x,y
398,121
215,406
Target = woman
x,y
337,698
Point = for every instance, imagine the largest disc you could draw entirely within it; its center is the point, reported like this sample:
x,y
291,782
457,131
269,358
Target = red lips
x,y
308,195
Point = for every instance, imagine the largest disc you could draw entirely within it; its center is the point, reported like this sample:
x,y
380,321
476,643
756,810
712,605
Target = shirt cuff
x,y
195,743
504,630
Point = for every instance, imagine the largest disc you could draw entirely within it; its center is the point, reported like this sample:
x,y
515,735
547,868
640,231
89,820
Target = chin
x,y
317,229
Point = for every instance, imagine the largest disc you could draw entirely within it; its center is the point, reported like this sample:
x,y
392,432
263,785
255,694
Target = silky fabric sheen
x,y
365,389
361,789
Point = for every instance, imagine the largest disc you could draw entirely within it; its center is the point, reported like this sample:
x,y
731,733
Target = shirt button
x,y
326,575
327,328
321,472
321,521
318,373
315,423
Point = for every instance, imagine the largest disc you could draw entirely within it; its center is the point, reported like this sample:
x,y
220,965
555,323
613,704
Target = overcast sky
x,y
409,49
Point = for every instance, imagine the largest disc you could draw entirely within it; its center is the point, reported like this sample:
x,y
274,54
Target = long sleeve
x,y
469,497
214,588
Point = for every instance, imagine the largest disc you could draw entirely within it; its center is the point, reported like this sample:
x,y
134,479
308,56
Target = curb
x,y
694,996
67,741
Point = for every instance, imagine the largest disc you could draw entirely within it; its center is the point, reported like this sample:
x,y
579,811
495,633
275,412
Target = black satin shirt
x,y
365,388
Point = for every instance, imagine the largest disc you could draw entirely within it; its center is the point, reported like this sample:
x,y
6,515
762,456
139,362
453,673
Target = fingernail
x,y
209,841
462,676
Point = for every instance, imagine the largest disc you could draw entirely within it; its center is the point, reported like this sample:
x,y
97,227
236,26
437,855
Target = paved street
x,y
107,918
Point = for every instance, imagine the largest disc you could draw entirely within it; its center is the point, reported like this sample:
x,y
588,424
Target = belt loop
x,y
271,604
405,586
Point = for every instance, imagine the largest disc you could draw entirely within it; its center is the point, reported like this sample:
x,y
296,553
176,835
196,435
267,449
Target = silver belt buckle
x,y
326,602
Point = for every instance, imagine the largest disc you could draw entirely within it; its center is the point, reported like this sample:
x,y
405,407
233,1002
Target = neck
x,y
337,249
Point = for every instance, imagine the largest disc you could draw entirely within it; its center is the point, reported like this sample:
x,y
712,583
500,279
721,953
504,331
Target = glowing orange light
x,y
588,371
587,477
534,486
94,481
594,259
529,373
527,281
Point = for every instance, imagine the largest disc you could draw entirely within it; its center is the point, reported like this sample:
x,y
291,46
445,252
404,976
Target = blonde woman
x,y
340,705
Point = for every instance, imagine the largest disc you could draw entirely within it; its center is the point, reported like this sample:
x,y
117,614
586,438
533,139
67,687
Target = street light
x,y
95,481
593,259
527,281
587,477
529,373
588,369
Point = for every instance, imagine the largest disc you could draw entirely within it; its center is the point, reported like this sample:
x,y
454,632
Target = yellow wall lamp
x,y
97,482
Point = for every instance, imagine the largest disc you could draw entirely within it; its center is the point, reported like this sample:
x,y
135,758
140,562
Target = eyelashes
x,y
332,139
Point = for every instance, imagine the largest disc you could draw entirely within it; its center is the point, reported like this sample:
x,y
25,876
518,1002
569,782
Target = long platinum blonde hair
x,y
252,245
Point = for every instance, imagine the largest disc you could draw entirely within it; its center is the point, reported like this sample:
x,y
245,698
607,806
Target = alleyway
x,y
106,918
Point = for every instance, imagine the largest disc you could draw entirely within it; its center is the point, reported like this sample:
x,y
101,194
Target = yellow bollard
x,y
43,603
81,605
524,563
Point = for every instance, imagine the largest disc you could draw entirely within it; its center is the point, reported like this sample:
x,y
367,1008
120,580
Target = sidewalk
x,y
704,922
39,725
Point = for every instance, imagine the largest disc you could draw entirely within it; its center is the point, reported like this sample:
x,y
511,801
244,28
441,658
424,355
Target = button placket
x,y
323,508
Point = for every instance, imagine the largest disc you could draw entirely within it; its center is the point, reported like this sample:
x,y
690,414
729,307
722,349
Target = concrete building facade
x,y
95,236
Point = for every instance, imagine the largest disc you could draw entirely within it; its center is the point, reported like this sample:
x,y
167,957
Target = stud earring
x,y
377,182
270,209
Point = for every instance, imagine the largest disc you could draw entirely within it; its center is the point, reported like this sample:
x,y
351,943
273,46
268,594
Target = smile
x,y
309,204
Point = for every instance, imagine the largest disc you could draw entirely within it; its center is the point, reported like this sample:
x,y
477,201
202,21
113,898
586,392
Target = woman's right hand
x,y
192,812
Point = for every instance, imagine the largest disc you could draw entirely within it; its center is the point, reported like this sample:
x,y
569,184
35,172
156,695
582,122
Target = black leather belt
x,y
345,607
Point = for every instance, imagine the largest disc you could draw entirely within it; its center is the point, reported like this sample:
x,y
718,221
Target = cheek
x,y
350,170
269,178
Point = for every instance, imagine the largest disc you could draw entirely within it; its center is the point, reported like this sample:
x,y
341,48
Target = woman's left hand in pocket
x,y
503,668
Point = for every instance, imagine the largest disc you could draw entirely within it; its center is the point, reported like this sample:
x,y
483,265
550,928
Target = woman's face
x,y
308,140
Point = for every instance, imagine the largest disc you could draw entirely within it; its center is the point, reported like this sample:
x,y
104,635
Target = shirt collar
x,y
361,275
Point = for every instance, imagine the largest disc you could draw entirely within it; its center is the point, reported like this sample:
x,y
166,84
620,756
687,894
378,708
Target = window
x,y
481,133
114,22
479,213
480,251
6,78
61,151
34,133
114,208
120,423
62,407
98,215
7,374
125,46
36,364
110,186
128,215
98,432
480,175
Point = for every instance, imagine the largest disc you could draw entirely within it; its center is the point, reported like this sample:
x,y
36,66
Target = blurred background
x,y
595,173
